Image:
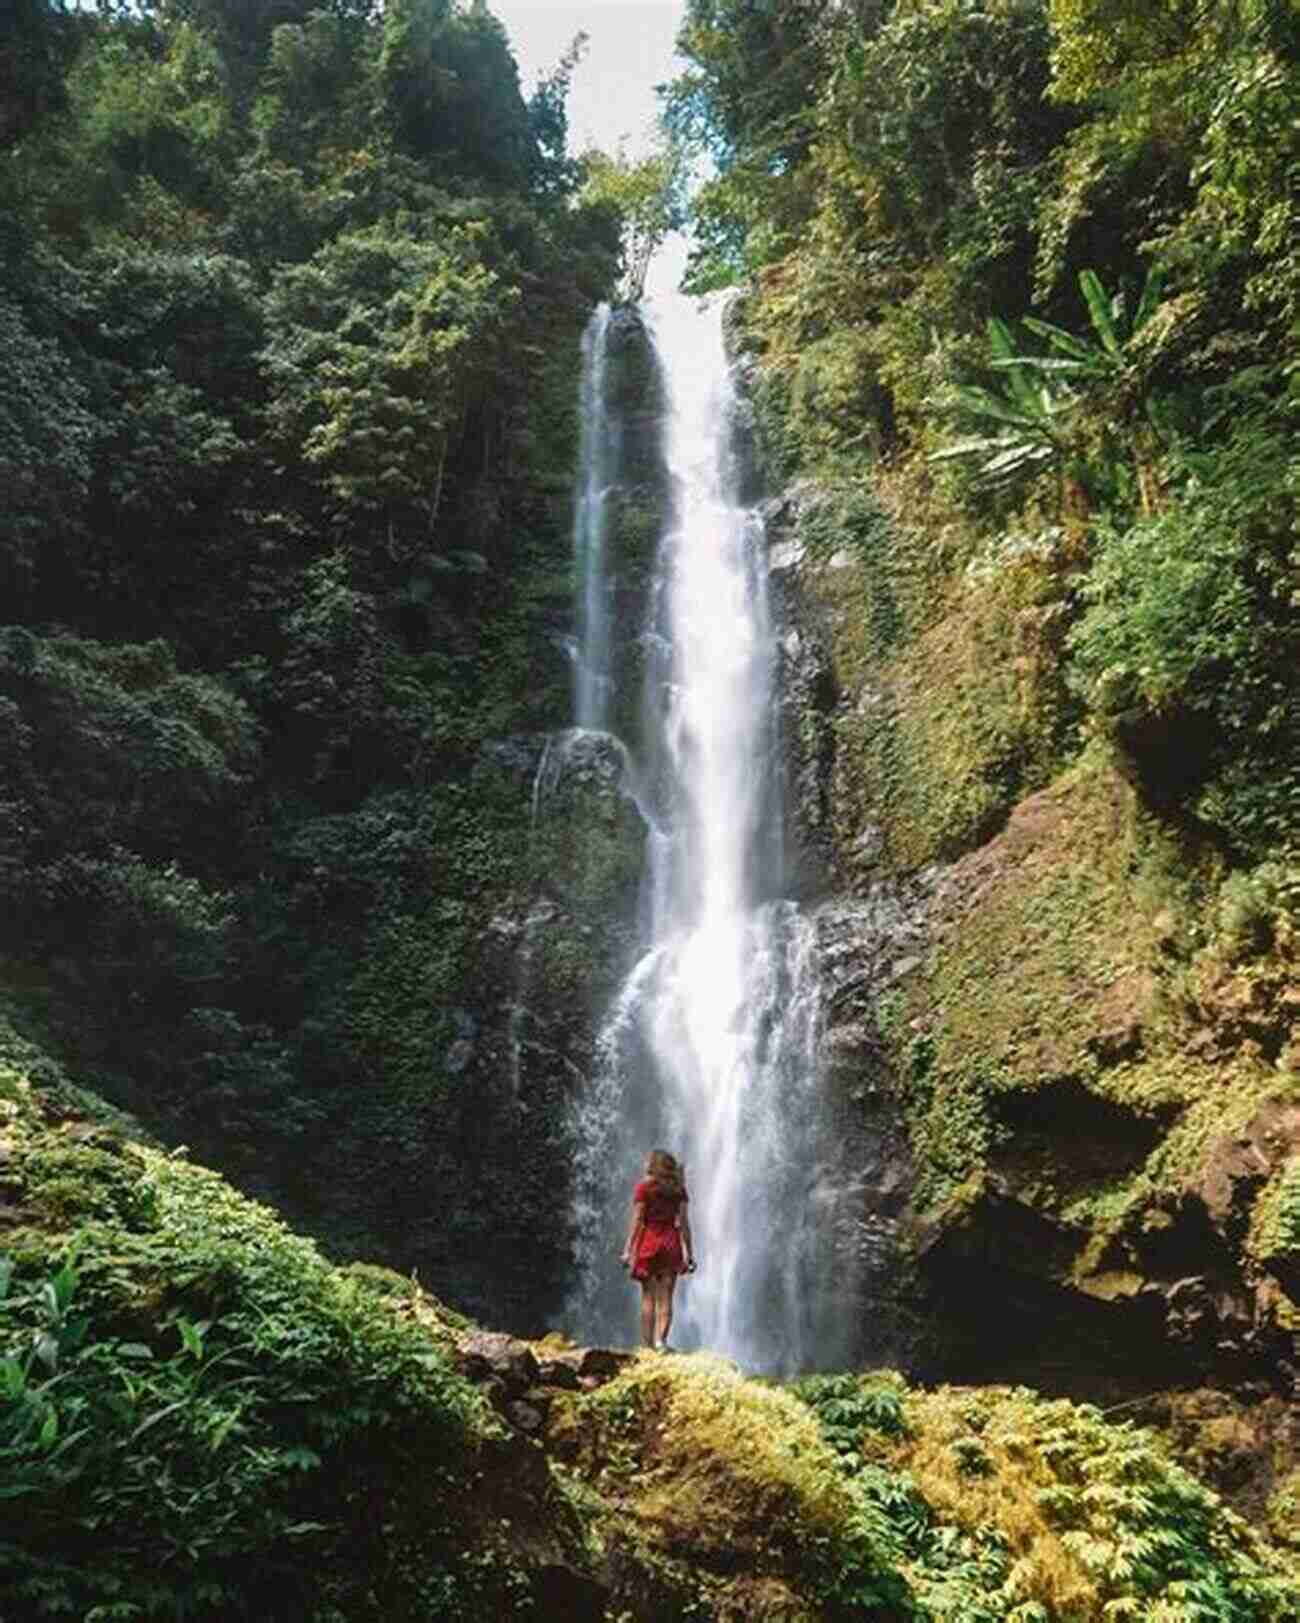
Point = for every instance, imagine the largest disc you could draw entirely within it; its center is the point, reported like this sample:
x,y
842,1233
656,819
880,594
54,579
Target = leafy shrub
x,y
1275,1220
201,1418
1258,908
1010,1506
79,1183
47,434
121,748
848,1406
1188,648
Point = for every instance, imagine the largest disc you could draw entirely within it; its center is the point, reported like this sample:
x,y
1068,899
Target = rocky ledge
x,y
519,1378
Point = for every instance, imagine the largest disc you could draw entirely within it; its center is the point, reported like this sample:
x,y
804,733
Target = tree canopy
x,y
291,298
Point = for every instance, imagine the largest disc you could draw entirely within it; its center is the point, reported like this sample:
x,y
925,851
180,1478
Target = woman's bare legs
x,y
648,1289
664,1284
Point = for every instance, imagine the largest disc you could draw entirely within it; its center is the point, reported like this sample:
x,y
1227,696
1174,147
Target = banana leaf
x,y
1101,310
1017,456
1150,300
1003,347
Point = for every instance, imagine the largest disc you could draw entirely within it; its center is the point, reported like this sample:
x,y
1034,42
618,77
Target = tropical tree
x,y
1034,419
376,347
646,194
1028,418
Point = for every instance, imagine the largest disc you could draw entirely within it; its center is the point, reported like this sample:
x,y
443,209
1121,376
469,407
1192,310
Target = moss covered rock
x,y
1099,1100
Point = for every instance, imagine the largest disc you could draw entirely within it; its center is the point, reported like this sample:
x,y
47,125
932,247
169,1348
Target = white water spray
x,y
710,1048
598,457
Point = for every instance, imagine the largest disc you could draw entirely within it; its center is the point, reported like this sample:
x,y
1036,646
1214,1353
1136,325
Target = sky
x,y
611,99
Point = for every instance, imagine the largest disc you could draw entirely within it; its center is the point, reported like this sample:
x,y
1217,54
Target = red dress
x,y
660,1248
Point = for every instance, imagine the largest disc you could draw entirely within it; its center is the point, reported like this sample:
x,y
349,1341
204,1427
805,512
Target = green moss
x,y
396,1004
66,1186
720,1471
1079,1035
1059,929
958,703
1275,1219
383,1282
733,1462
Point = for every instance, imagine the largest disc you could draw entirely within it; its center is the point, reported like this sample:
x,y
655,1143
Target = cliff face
x,y
458,1171
1034,514
1068,1033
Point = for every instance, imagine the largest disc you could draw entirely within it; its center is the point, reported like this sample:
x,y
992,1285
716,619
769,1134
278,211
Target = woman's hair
x,y
665,1170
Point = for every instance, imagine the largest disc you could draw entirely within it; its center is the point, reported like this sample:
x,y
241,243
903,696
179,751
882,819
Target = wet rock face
x,y
807,696
588,837
865,944
519,1379
521,1030
1245,1445
1172,1297
634,509
635,391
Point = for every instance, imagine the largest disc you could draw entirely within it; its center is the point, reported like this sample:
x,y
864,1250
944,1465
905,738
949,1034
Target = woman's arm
x,y
684,1224
636,1228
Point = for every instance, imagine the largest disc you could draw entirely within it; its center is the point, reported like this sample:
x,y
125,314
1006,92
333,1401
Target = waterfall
x,y
598,457
710,1048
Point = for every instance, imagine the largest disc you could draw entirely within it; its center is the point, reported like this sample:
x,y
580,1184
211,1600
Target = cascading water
x,y
598,458
710,1048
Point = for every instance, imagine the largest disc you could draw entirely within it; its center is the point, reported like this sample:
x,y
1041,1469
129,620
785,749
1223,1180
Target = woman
x,y
659,1244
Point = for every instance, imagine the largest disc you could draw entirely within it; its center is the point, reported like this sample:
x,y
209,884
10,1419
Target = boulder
x,y
525,1417
484,1355
578,1368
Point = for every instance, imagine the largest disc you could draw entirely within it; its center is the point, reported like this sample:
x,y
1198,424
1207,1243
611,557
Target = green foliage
x,y
310,95
1258,910
449,91
848,1407
200,1417
999,1505
1077,1518
1210,95
843,528
719,1469
290,299
117,747
1061,235
1041,417
77,1184
40,39
373,350
199,1413
143,122
645,195
1187,646
1275,1221
46,437
960,707
1030,419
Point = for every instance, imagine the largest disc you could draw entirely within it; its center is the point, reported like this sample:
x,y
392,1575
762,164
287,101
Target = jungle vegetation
x,y
1037,263
290,304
